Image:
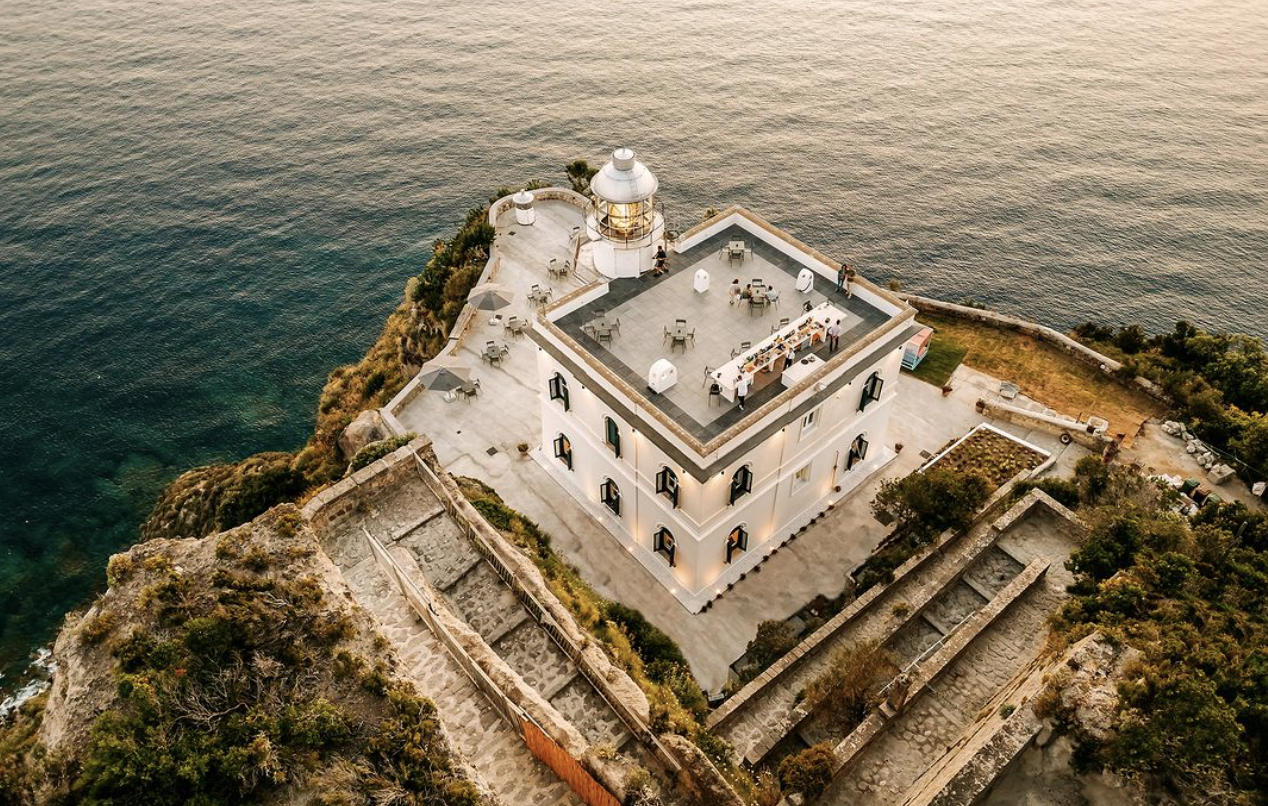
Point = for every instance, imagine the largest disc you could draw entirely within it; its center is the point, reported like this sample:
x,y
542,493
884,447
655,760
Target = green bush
x,y
774,639
377,450
927,504
808,772
647,639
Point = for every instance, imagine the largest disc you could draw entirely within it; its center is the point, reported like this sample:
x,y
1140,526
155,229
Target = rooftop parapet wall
x,y
814,259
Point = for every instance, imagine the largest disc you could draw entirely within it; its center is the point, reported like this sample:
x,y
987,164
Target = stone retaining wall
x,y
1034,419
1046,334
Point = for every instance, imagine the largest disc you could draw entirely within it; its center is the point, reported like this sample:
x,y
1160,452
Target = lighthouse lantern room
x,y
623,222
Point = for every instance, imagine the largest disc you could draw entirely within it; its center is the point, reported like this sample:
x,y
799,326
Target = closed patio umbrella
x,y
444,374
490,297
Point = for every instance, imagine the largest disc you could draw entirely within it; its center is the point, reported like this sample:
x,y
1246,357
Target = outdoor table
x,y
678,336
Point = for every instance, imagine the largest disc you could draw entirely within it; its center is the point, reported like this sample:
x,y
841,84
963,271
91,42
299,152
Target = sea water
x,y
204,207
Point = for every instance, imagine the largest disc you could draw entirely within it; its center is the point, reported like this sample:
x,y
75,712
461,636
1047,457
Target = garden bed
x,y
990,453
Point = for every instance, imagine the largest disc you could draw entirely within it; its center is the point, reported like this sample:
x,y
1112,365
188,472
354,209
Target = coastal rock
x,y
368,427
1172,427
1089,694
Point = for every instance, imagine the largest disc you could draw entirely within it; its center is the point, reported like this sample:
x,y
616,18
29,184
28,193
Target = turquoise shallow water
x,y
204,207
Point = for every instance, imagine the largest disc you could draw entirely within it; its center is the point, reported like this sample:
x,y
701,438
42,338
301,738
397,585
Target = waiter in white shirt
x,y
741,389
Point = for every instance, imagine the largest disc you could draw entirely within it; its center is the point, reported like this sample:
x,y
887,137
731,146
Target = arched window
x,y
663,542
563,450
741,483
858,452
667,485
610,495
736,541
871,390
559,389
612,436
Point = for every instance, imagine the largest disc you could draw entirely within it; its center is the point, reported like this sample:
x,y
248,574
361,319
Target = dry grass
x,y
1047,374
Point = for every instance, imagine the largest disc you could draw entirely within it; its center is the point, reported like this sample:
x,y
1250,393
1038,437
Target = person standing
x,y
741,390
849,282
841,274
834,336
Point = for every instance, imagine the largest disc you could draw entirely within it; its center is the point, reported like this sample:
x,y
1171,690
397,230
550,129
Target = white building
x,y
639,412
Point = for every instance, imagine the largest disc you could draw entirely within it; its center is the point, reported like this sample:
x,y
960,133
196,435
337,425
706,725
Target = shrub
x,y
844,690
101,626
926,504
808,772
377,450
1063,491
774,640
652,645
118,569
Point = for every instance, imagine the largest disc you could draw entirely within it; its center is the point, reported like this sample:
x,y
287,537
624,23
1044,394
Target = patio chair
x,y
744,347
667,334
470,388
757,303
783,323
680,323
691,335
715,393
616,325
708,371
758,282
605,334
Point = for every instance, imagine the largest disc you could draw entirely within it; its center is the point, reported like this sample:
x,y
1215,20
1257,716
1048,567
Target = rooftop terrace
x,y
646,306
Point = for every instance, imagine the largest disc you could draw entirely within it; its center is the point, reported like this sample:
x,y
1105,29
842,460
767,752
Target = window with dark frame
x,y
612,436
559,390
667,485
871,390
663,542
737,540
858,452
741,483
610,495
563,450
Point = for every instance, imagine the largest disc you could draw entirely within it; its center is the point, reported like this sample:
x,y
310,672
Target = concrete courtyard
x,y
479,438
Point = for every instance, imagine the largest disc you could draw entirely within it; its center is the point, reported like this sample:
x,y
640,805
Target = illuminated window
x,y
858,452
871,390
610,496
663,542
563,450
741,483
667,485
612,436
801,478
736,542
559,389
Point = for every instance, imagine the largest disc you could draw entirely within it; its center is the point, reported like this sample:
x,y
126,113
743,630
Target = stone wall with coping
x,y
1046,334
1034,419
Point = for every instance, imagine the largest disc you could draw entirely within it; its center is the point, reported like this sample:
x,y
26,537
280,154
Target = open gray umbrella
x,y
490,297
444,374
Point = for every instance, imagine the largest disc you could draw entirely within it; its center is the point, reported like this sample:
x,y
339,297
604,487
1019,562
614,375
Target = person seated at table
x,y
747,293
734,291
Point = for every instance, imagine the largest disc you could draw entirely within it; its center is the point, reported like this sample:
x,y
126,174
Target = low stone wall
x,y
1034,419
1046,334
334,505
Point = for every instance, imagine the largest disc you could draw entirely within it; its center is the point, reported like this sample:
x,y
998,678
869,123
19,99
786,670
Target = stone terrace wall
x,y
1046,334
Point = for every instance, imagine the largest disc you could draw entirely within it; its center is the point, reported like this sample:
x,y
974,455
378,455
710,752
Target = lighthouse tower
x,y
623,223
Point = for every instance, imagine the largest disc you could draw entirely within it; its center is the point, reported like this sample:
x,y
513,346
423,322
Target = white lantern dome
x,y
624,180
